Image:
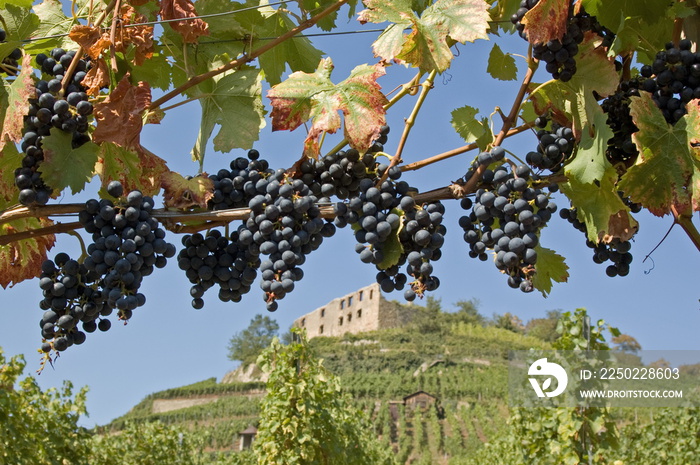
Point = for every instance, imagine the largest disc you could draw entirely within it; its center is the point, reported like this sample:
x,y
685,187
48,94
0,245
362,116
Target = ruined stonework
x,y
363,310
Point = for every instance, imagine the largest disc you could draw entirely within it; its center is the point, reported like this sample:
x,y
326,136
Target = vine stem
x,y
460,150
426,86
685,221
54,229
246,58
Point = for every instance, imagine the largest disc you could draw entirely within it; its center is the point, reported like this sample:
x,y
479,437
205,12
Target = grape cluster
x,y
554,147
616,251
621,148
9,63
50,109
128,244
673,79
506,216
560,55
215,259
70,297
285,225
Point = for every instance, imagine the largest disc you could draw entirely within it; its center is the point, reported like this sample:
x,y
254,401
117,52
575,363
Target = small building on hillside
x,y
419,399
360,311
246,437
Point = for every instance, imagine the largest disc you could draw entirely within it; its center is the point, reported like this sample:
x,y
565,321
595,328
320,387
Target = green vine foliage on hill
x,y
617,131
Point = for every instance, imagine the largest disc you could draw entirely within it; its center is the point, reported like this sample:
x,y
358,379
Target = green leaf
x,y
666,172
470,128
591,187
232,101
135,172
52,22
305,96
392,248
21,24
610,12
20,3
299,54
427,46
59,153
550,268
501,66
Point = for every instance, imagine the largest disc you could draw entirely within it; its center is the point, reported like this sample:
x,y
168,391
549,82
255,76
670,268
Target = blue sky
x,y
168,344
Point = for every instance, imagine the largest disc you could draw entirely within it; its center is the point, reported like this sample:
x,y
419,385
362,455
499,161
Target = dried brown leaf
x,y
119,117
22,260
141,37
191,29
97,77
91,39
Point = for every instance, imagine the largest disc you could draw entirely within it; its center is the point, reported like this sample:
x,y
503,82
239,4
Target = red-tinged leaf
x,y
97,77
91,38
306,96
182,193
191,29
546,21
119,117
427,45
22,260
65,166
664,172
10,159
18,94
128,166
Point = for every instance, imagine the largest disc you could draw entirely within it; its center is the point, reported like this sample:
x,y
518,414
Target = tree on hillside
x,y
246,345
468,312
508,321
544,328
626,343
305,418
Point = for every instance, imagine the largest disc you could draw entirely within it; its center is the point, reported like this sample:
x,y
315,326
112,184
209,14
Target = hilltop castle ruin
x,y
360,311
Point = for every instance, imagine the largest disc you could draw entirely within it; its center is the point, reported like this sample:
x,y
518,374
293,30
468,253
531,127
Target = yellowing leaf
x,y
427,46
592,189
59,155
305,96
22,260
134,168
501,66
550,268
666,172
16,107
184,193
10,159
546,21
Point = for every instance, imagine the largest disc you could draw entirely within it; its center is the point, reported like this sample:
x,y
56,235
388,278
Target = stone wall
x,y
360,311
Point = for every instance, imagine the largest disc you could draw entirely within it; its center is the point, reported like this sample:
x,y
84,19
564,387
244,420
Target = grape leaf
x,y
313,96
131,167
667,163
10,159
470,128
21,23
138,39
596,74
610,12
53,22
232,101
427,46
22,260
190,29
310,7
501,66
299,53
182,193
59,154
119,117
501,12
16,107
156,71
546,21
96,78
20,3
550,268
592,190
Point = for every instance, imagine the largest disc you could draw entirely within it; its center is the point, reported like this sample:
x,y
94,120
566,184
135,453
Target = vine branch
x,y
685,221
246,58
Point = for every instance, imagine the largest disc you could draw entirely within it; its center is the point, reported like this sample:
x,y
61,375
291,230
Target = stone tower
x,y
360,311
